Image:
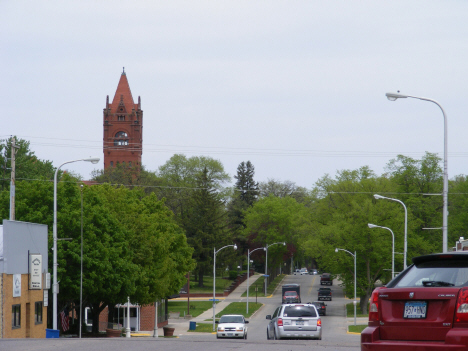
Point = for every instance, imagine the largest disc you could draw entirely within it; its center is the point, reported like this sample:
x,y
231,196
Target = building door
x,y
28,320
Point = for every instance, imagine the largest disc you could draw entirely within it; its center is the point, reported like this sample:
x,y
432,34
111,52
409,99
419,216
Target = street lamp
x,y
393,245
406,225
93,160
248,272
266,262
393,97
214,278
355,302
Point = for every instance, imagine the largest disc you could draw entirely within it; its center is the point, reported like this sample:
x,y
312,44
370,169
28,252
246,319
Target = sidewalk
x,y
182,325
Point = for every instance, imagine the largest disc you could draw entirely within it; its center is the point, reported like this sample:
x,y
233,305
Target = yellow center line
x,y
311,286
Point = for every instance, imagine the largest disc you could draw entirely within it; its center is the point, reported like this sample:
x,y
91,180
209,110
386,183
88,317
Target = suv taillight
x,y
280,322
374,306
461,315
319,322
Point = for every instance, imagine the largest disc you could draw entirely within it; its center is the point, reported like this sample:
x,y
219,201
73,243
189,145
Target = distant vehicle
x,y
288,288
232,326
326,279
291,297
294,321
313,272
425,307
304,271
321,307
297,271
324,294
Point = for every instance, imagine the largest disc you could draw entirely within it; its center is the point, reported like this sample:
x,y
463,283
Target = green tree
x,y
28,166
205,223
341,221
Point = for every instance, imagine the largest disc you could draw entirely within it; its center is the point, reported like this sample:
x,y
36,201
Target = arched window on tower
x,y
121,139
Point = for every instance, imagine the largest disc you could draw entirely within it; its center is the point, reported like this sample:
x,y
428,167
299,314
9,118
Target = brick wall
x,y
27,297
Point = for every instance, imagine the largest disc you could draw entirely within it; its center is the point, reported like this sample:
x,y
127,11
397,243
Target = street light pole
x,y
393,97
81,273
214,279
405,247
355,301
266,263
248,273
393,245
55,285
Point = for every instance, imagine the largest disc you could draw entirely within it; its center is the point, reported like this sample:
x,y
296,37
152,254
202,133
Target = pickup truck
x,y
326,279
325,294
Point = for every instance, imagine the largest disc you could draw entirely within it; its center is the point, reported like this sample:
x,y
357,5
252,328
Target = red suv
x,y
423,308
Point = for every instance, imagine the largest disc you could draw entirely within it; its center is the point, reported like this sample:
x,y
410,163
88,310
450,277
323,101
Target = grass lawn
x,y
350,310
357,329
240,308
203,328
221,285
259,283
196,307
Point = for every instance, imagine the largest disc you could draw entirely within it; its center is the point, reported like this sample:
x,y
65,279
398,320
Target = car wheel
x,y
320,337
245,336
274,335
217,337
324,313
268,335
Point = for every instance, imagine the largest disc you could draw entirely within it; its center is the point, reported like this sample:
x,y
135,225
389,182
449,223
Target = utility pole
x,y
12,181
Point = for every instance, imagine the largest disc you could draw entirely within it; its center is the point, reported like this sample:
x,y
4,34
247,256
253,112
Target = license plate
x,y
299,322
229,334
415,309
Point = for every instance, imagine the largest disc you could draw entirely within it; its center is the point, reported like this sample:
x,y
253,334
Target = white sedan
x,y
232,326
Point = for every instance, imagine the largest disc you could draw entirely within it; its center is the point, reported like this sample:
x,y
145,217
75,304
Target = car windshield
x,y
299,311
231,319
436,274
289,293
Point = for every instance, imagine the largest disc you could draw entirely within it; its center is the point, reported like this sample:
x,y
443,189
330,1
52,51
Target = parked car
x,y
313,272
291,297
326,279
297,271
304,271
324,294
232,326
425,307
294,321
321,307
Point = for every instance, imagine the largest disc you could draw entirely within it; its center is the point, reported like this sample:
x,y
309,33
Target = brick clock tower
x,y
123,128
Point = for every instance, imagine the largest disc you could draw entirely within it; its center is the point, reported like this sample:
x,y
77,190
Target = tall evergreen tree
x,y
205,223
245,183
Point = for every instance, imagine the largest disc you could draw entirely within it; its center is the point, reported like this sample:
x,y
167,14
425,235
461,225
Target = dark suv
x,y
424,308
321,307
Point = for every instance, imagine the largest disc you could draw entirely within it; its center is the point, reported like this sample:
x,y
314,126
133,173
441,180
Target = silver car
x,y
295,321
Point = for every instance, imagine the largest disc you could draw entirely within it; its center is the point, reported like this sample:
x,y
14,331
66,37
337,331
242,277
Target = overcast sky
x,y
296,87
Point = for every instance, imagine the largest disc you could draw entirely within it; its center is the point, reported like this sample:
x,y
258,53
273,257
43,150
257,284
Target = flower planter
x,y
113,333
168,331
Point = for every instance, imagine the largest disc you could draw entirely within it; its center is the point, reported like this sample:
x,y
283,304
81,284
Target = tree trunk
x,y
200,278
364,300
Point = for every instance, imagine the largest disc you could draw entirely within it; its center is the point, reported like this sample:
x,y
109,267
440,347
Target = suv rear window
x,y
436,273
299,311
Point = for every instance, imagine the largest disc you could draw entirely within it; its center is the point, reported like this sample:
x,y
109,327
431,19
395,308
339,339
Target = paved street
x,y
334,337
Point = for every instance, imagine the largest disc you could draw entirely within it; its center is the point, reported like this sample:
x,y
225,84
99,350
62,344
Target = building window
x,y
16,316
121,118
121,139
38,312
112,163
130,163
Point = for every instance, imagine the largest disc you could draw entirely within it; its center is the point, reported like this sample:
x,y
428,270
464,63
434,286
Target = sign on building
x,y
16,285
35,272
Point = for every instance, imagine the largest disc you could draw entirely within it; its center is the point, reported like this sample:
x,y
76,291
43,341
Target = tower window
x,y
121,118
112,163
121,139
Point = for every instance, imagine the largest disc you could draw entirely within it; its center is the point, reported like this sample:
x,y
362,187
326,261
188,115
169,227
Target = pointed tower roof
x,y
124,94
